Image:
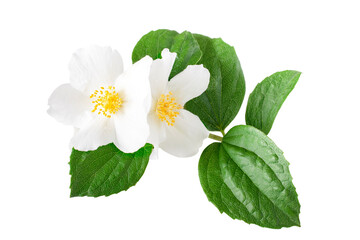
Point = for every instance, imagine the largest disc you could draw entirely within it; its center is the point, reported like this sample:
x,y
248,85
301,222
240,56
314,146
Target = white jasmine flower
x,y
172,128
104,104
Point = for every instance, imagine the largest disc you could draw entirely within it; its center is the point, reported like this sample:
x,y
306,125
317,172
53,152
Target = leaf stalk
x,y
215,137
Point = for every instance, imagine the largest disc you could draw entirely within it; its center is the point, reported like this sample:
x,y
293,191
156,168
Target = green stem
x,y
222,132
215,137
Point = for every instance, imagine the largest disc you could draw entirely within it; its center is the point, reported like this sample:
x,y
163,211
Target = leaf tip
x,y
297,222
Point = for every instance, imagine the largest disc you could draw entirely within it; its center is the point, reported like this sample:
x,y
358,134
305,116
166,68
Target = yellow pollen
x,y
167,109
106,101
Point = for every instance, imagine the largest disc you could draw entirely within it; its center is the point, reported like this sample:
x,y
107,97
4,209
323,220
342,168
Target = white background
x,y
317,127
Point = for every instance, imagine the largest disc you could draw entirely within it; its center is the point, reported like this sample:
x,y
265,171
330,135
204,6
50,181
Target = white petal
x,y
93,67
155,153
100,131
134,83
190,83
160,72
132,129
157,129
186,136
157,133
70,106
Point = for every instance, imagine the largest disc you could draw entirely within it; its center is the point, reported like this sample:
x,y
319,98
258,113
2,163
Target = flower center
x,y
106,101
167,109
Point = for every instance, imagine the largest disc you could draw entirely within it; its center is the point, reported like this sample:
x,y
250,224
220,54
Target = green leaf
x,y
221,102
184,45
188,52
268,96
247,177
106,170
153,43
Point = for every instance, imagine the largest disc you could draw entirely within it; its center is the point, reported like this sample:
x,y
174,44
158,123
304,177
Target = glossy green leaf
x,y
188,52
153,43
184,45
268,96
221,102
106,170
247,177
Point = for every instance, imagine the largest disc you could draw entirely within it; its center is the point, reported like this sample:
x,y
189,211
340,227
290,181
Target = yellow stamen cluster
x,y
167,109
107,101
